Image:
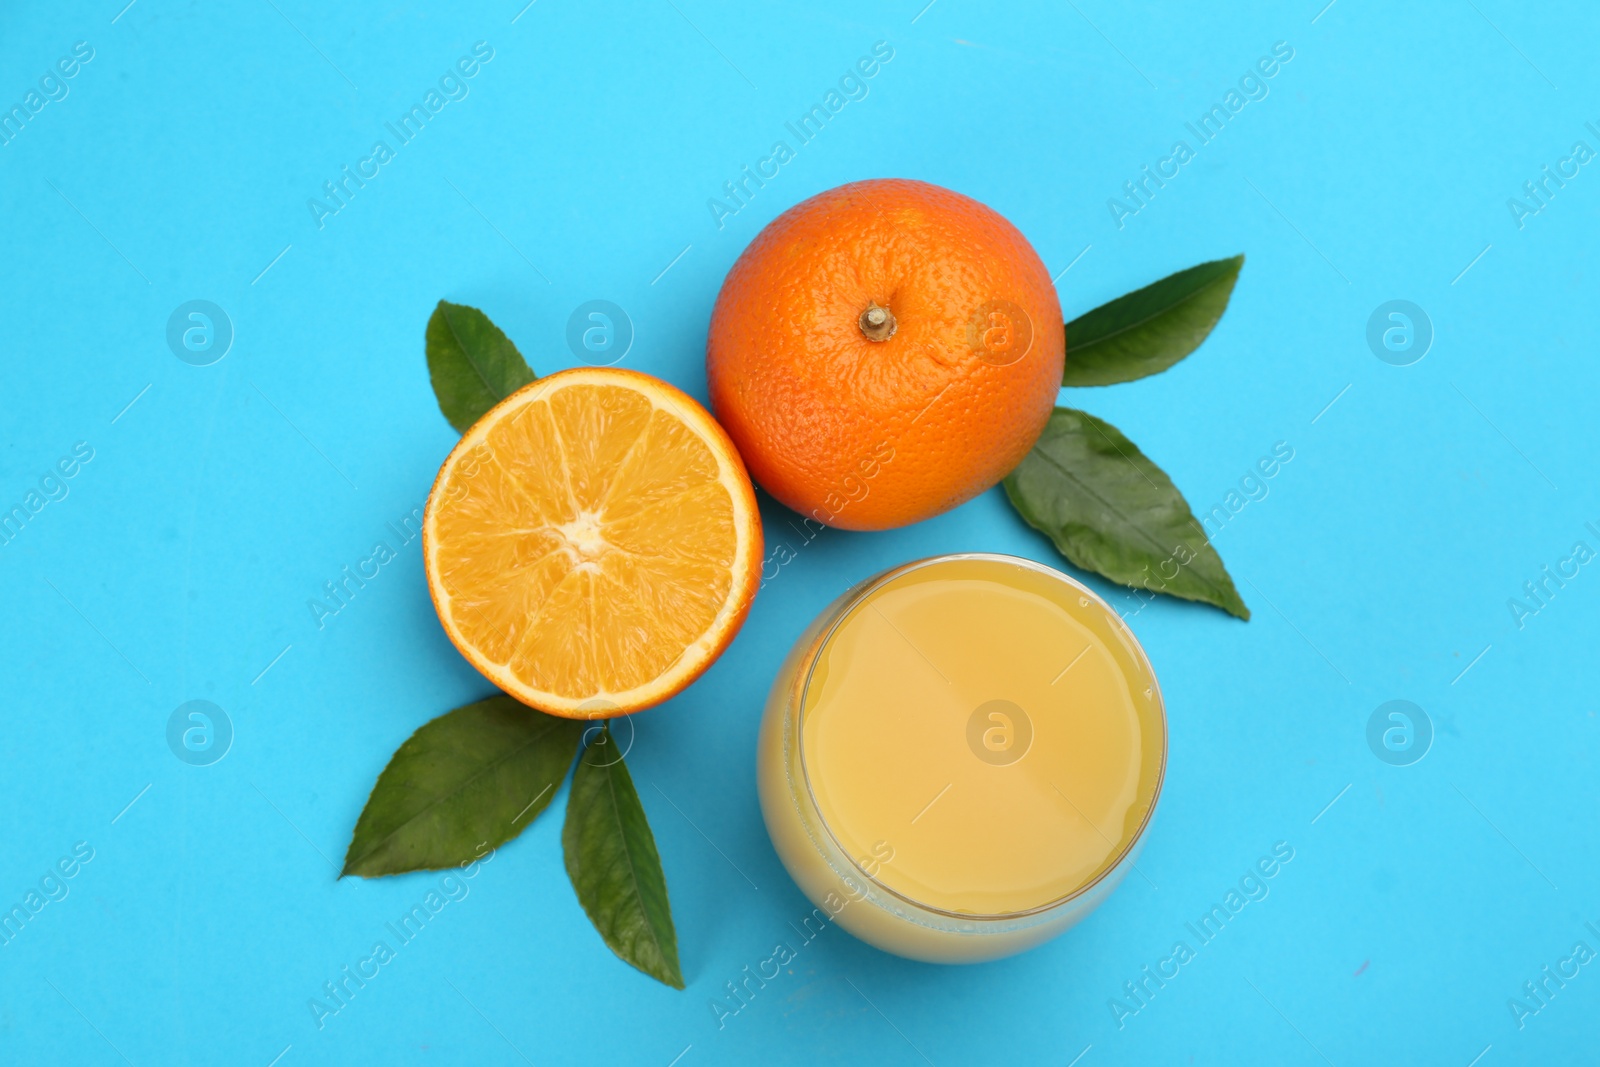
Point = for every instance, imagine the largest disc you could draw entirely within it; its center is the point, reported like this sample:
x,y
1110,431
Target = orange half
x,y
592,544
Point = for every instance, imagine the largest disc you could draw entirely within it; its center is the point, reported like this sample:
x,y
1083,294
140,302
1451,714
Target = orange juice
x,y
960,756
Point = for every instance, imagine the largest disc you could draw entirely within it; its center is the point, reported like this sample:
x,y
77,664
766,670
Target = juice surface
x,y
982,737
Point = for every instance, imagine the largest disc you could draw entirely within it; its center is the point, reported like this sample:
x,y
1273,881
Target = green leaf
x,y
473,365
1110,510
1150,329
473,776
613,864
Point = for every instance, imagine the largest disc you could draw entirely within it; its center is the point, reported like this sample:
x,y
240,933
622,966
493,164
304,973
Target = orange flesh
x,y
592,545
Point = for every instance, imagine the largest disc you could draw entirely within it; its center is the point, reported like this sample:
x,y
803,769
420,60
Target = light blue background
x,y
1378,568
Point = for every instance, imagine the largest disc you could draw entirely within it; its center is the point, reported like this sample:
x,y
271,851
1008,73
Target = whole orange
x,y
885,351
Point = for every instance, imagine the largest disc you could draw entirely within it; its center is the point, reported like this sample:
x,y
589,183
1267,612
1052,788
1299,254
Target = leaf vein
x,y
633,870
1191,295
1217,590
458,788
466,354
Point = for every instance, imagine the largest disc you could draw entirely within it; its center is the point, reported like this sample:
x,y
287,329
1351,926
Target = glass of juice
x,y
960,756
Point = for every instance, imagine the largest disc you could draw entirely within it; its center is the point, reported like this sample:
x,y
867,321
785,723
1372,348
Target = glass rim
x,y
820,642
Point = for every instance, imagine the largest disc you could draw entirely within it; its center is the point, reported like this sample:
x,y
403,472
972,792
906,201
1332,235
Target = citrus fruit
x,y
592,543
885,351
